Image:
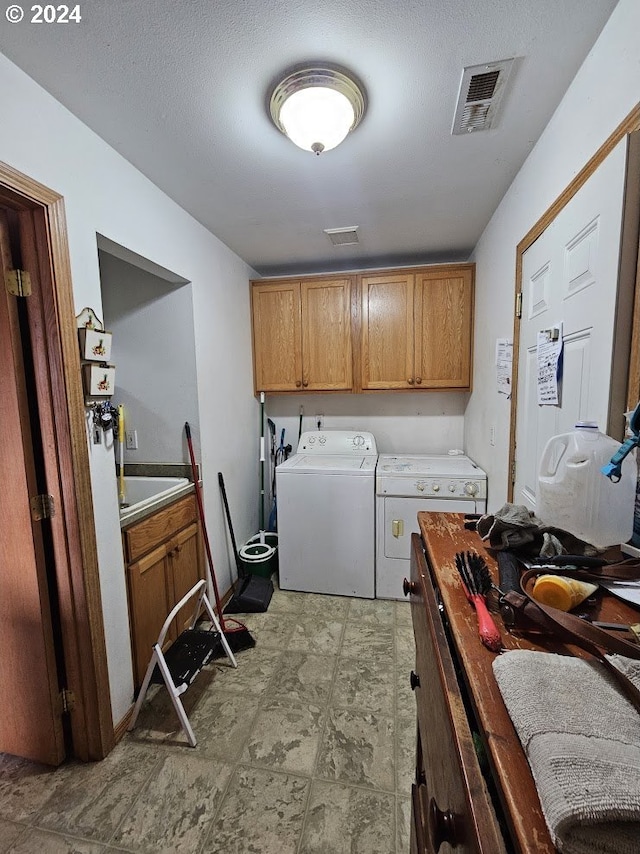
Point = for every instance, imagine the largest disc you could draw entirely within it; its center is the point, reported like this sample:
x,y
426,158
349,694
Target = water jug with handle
x,y
573,494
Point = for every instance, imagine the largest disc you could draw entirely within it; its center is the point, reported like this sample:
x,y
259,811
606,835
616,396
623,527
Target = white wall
x,y
603,92
153,349
410,423
104,194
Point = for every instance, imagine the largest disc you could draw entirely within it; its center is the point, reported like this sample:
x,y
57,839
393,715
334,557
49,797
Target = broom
x,y
237,634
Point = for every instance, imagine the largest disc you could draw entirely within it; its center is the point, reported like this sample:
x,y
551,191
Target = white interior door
x,y
570,276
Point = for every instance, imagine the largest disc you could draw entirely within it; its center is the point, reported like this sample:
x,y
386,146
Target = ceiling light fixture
x,y
316,106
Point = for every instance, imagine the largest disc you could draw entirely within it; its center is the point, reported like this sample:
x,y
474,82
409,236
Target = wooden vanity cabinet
x,y
302,334
164,558
416,328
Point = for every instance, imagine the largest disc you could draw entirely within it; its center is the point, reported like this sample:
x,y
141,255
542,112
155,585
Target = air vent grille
x,y
481,90
343,236
482,86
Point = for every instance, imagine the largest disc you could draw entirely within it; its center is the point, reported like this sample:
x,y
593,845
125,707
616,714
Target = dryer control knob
x,y
471,488
420,487
436,487
452,487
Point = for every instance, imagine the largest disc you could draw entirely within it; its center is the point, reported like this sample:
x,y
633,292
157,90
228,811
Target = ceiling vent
x,y
343,236
481,91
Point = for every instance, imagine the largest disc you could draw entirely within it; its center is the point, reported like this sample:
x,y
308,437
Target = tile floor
x,y
306,748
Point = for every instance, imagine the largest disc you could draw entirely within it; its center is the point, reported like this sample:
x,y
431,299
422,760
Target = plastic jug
x,y
574,495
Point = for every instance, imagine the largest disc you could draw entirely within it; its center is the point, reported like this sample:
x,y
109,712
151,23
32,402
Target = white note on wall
x,y
549,351
504,365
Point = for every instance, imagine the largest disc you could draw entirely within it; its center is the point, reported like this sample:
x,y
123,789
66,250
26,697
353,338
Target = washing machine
x,y
326,514
406,484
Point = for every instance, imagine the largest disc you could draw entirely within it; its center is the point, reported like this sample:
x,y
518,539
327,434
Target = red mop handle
x,y
205,537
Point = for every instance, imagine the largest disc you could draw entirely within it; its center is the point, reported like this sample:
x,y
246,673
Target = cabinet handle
x,y
298,383
305,383
410,380
419,380
408,586
442,827
414,680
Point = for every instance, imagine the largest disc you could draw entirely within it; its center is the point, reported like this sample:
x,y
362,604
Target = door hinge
x,y
42,507
67,700
18,283
519,304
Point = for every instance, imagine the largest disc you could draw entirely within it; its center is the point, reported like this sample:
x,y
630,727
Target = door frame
x,y
629,125
77,572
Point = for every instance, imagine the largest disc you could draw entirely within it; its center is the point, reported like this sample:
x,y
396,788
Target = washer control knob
x,y
452,487
358,441
471,487
436,487
322,440
420,487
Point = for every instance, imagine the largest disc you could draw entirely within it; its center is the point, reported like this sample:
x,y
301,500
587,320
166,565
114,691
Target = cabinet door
x,y
387,331
443,318
186,568
326,334
277,336
149,603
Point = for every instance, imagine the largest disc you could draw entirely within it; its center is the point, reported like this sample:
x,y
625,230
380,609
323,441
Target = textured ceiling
x,y
179,88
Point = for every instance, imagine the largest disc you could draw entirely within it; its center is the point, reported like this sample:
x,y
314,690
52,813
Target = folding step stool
x,y
185,658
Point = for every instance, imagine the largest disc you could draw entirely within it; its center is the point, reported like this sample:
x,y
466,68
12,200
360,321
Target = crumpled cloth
x,y
515,528
582,739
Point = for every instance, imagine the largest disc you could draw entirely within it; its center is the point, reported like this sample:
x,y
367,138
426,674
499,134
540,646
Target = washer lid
x,y
329,464
428,465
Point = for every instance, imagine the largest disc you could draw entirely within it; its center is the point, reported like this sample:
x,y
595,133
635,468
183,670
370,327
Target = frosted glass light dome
x,y
317,107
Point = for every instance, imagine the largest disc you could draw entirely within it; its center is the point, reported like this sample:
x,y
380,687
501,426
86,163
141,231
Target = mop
x,y
236,633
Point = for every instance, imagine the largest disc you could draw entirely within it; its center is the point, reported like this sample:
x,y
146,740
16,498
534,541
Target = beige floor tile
x,y
270,630
368,641
314,634
286,737
255,669
403,825
327,607
41,842
358,748
378,611
261,812
405,753
345,820
175,809
364,685
403,613
304,677
9,832
286,602
96,796
26,786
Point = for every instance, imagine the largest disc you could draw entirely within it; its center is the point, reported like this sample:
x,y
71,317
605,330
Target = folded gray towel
x,y
582,739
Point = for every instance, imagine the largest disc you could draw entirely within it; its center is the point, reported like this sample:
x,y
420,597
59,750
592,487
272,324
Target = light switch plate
x,y
131,440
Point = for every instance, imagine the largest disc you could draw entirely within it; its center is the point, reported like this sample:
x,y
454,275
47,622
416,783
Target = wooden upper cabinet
x,y
327,362
302,335
443,309
387,341
277,336
417,328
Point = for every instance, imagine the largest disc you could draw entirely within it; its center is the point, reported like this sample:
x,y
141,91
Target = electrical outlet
x,y
492,435
319,422
131,440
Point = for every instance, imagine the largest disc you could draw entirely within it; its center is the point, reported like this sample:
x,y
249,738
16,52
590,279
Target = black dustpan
x,y
253,592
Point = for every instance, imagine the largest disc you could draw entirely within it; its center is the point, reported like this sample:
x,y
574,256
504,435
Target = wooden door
x,y
570,275
150,601
326,335
30,723
443,312
277,338
186,568
387,342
